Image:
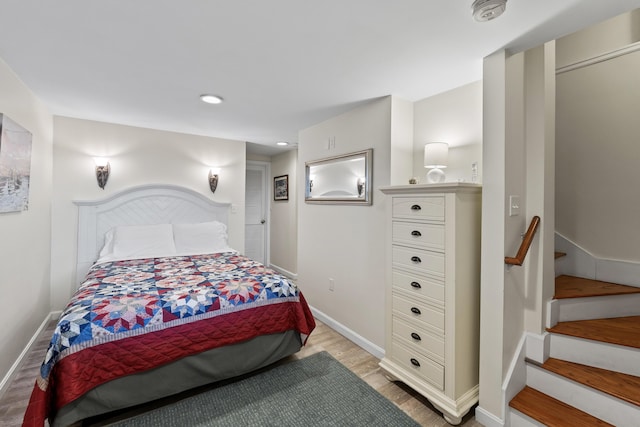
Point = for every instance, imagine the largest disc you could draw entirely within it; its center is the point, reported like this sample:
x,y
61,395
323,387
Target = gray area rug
x,y
314,391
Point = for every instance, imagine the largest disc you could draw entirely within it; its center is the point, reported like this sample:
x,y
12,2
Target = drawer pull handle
x,y
416,208
415,363
415,336
416,233
416,285
416,259
415,310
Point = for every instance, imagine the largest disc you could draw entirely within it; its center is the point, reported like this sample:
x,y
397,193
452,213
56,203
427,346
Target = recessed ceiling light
x,y
211,99
282,143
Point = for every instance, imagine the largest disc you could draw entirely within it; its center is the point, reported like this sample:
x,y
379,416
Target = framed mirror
x,y
344,179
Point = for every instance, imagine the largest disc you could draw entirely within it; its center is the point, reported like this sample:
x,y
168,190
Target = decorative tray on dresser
x,y
433,292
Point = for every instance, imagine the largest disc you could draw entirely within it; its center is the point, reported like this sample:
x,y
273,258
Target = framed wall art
x,y
281,187
15,165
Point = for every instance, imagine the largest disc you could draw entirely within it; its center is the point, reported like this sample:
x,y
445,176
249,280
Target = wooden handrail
x,y
526,243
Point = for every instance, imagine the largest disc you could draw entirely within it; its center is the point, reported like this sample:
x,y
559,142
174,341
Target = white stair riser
x,y
598,354
598,307
518,419
587,399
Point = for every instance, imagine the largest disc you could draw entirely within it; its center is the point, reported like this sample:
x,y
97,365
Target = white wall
x,y
518,153
454,117
347,243
137,156
597,150
402,120
25,237
514,167
539,173
258,157
284,215
492,322
598,39
528,170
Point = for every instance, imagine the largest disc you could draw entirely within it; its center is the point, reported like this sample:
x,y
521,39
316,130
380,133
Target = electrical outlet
x,y
332,284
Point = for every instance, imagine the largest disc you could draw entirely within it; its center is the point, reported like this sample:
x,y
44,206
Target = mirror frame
x,y
367,155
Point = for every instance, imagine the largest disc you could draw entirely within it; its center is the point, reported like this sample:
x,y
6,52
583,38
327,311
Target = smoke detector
x,y
486,10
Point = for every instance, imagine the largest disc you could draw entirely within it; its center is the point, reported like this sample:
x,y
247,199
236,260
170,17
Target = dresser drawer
x,y
418,364
422,208
419,260
419,339
429,315
420,286
430,236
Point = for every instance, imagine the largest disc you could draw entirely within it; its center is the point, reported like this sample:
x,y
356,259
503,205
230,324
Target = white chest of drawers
x,y
433,290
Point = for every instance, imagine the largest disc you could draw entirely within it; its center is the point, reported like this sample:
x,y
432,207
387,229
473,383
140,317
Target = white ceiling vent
x,y
486,10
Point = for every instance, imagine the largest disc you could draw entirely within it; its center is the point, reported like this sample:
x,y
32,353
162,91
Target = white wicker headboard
x,y
147,204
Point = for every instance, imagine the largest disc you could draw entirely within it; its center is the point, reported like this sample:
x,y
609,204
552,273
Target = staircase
x,y
592,377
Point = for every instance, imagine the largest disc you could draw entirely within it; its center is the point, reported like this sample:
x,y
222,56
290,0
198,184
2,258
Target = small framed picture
x,y
281,187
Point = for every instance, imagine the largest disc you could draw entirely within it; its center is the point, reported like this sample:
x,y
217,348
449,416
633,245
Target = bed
x,y
164,306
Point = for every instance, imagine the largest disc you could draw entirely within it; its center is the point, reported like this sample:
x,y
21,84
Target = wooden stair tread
x,y
579,287
552,412
618,330
617,384
559,254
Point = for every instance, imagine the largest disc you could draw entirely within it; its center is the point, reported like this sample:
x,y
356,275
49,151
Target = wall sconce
x,y
102,170
360,185
311,178
213,179
436,156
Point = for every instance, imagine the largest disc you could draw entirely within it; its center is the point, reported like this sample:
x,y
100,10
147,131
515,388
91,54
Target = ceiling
x,y
280,65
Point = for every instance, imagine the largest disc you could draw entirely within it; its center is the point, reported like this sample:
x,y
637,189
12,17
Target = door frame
x,y
264,167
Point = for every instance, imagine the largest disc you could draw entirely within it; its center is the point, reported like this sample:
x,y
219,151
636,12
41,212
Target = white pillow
x,y
143,241
107,248
200,238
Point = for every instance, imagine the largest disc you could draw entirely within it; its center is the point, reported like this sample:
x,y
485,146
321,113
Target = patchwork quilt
x,y
131,316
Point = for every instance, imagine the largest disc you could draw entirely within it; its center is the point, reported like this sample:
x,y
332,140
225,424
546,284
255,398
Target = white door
x,y
256,212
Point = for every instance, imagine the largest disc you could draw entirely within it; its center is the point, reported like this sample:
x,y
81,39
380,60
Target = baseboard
x,y
487,419
281,270
348,333
577,262
531,346
580,262
516,377
4,384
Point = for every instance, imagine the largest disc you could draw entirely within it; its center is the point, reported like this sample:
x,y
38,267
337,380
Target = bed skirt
x,y
184,374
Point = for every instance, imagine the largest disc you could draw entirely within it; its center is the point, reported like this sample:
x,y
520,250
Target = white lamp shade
x,y
436,155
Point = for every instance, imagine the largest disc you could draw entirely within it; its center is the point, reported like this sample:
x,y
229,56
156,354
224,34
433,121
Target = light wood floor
x,y
14,402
